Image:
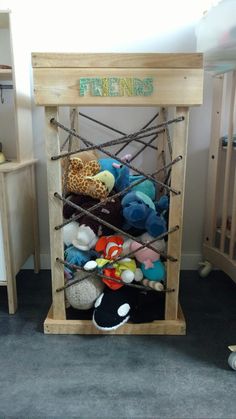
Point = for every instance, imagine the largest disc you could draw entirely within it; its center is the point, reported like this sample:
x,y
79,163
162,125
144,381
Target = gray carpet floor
x,y
48,376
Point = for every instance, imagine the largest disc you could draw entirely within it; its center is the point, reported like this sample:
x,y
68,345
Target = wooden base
x,y
86,327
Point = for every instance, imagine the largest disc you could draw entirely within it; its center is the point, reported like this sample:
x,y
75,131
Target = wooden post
x,y
10,274
179,148
213,161
161,151
231,127
35,221
55,213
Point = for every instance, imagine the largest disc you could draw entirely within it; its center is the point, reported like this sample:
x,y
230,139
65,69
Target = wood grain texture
x,y
18,217
179,148
55,214
10,277
86,327
230,133
60,87
100,60
213,161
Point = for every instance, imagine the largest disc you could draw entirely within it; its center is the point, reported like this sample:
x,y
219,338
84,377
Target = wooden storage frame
x,y
217,253
178,82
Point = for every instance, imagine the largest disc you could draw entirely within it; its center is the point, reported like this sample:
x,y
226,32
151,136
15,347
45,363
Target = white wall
x,y
119,26
8,130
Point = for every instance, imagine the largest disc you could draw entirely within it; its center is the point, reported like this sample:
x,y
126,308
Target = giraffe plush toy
x,y
86,179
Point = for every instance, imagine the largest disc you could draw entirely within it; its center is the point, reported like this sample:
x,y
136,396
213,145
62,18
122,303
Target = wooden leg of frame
x,y
55,214
176,213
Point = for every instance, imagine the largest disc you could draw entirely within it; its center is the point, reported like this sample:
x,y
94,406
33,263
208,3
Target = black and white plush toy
x,y
112,308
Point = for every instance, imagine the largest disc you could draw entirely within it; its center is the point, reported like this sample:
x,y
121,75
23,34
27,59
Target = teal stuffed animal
x,y
123,178
147,186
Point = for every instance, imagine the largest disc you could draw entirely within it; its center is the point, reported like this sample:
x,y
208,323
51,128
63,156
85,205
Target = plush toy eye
x,y
123,310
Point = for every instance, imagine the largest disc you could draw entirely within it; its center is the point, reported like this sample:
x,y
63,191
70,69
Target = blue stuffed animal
x,y
123,178
78,257
154,273
139,211
119,171
147,186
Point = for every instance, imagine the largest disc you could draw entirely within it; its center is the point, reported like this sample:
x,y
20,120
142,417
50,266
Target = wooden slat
x,y
233,222
68,60
161,150
55,214
19,196
220,260
15,165
213,160
5,74
231,128
179,148
10,277
60,86
86,327
35,221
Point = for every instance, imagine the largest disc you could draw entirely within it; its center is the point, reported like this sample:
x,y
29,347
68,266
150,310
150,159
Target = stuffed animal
x,y
81,236
155,285
83,294
151,266
85,156
119,171
78,257
139,211
145,255
162,208
86,178
123,178
112,309
70,232
88,229
147,186
159,245
124,269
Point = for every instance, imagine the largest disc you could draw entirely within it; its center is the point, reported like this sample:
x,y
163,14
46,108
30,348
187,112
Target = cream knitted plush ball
x,y
83,294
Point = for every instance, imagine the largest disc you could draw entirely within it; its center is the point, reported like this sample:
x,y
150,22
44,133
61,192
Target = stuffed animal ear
x,y
76,163
127,157
117,165
101,244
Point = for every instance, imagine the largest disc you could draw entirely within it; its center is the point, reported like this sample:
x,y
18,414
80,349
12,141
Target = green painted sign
x,y
115,86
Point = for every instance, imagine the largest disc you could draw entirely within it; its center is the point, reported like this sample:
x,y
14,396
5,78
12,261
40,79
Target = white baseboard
x,y
189,261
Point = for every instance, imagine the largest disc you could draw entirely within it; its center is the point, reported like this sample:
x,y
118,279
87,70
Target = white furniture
x,y
18,213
